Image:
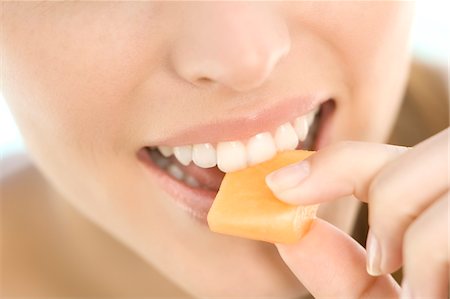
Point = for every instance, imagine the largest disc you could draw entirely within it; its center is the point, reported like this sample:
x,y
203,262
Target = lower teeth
x,y
191,181
176,172
172,169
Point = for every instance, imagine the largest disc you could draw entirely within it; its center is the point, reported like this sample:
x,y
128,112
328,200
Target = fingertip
x,y
291,196
285,182
288,177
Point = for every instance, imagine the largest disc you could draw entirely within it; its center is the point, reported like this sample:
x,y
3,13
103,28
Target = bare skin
x,y
91,83
51,250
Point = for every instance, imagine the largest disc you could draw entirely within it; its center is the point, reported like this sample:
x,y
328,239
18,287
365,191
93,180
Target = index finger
x,y
345,168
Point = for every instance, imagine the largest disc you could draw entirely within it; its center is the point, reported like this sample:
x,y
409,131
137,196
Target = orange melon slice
x,y
246,207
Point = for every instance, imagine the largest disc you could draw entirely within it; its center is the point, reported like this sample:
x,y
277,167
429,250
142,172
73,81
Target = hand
x,y
407,191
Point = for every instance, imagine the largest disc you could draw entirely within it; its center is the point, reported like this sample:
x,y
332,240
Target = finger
x,y
399,184
331,264
339,170
426,252
399,193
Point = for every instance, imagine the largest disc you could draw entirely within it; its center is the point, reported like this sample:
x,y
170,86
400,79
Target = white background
x,y
430,41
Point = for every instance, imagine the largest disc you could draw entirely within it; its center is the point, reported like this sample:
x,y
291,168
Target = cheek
x,y
72,97
370,40
70,94
375,50
66,86
380,65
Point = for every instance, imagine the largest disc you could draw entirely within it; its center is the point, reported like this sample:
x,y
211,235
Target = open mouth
x,y
192,174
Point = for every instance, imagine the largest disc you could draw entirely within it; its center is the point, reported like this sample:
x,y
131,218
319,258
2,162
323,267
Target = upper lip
x,y
260,119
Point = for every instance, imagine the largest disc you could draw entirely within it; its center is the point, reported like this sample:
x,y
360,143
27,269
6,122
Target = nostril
x,y
203,81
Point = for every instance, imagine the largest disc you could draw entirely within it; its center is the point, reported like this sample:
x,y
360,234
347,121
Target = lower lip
x,y
197,202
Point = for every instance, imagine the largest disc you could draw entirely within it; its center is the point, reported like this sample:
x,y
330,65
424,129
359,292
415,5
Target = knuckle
x,y
345,146
346,150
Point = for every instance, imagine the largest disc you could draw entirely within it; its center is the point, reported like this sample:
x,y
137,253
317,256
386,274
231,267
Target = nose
x,y
237,45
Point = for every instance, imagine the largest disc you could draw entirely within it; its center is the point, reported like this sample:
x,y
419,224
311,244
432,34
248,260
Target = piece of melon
x,y
246,207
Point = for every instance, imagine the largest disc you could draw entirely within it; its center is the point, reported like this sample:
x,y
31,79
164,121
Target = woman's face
x,y
93,84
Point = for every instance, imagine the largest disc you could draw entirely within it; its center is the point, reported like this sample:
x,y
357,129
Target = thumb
x,y
330,264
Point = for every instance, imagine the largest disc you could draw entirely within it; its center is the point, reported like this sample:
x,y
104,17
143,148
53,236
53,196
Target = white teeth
x,y
231,156
166,151
301,127
260,148
235,155
180,175
183,154
285,137
204,155
191,181
175,171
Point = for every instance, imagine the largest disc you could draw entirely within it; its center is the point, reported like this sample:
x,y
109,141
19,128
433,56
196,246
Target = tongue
x,y
209,178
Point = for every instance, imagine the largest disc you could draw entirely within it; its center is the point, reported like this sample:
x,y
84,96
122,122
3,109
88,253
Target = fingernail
x,y
406,291
287,177
373,255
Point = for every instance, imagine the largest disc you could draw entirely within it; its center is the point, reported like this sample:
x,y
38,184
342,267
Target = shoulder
x,y
24,191
41,250
19,179
22,207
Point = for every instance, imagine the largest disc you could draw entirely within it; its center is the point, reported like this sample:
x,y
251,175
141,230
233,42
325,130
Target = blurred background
x,y
430,43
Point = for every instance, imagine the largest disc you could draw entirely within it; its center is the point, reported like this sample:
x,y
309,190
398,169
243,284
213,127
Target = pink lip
x,y
260,119
197,202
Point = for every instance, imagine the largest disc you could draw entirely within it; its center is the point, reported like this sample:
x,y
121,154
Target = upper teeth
x,y
234,155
